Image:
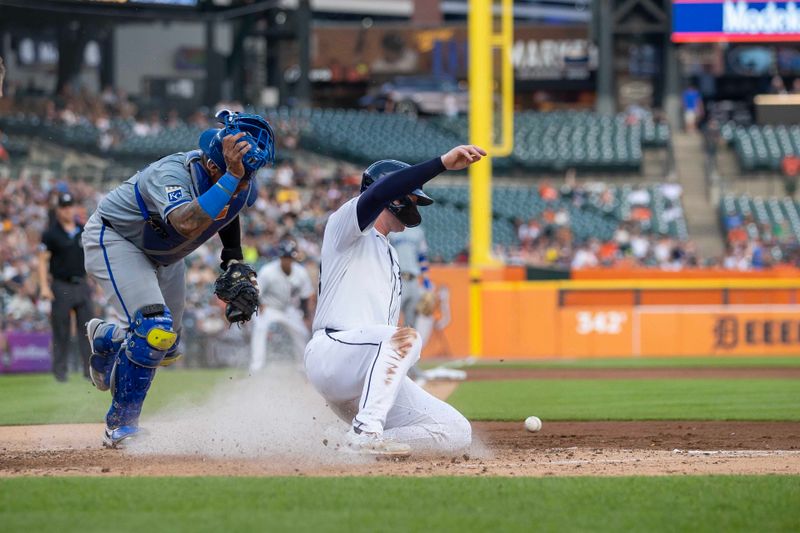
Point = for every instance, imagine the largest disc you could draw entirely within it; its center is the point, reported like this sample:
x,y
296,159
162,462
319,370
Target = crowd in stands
x,y
112,117
298,197
759,234
549,240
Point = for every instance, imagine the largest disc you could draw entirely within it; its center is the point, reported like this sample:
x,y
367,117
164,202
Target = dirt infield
x,y
501,449
484,374
560,449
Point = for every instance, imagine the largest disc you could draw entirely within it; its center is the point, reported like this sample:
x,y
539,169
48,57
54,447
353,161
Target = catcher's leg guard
x,y
150,338
173,354
106,341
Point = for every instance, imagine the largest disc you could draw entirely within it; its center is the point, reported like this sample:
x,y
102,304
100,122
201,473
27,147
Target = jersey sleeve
x,y
47,241
262,278
306,287
252,193
166,188
343,227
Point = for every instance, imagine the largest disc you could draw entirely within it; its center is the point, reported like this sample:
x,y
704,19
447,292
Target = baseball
x,y
533,424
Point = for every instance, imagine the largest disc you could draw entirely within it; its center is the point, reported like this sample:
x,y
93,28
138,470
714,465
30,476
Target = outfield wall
x,y
747,316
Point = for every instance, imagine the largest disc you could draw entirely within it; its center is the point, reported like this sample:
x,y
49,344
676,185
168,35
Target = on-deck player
x,y
135,244
286,291
412,256
358,358
418,299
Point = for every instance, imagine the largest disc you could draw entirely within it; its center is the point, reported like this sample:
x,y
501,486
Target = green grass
x,y
644,362
753,503
627,399
39,399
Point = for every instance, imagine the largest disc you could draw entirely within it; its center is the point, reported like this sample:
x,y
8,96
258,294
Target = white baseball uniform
x,y
280,297
350,360
410,245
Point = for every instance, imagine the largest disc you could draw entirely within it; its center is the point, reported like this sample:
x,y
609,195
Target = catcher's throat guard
x,y
405,209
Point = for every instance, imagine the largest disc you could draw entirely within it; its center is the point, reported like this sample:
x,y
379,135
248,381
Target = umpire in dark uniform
x,y
68,290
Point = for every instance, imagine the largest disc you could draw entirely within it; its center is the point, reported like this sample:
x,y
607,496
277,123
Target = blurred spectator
x,y
639,196
712,134
776,85
585,257
3,152
692,108
547,192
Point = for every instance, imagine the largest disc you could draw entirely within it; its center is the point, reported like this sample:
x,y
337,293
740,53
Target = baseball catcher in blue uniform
x,y
135,244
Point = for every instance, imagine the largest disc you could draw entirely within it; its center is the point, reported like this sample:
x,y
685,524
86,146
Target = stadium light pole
x,y
484,43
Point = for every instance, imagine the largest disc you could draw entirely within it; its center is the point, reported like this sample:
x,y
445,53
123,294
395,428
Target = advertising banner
x,y
702,21
618,318
719,330
26,352
342,53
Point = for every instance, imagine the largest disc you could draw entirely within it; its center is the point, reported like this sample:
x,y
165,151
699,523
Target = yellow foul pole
x,y
482,43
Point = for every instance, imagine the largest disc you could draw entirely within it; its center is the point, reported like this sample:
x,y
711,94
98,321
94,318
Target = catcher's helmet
x,y
257,131
406,211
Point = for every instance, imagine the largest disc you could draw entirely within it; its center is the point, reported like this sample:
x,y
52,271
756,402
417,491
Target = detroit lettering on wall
x,y
731,331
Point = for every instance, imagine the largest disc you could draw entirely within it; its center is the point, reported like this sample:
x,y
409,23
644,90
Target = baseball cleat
x,y
103,351
116,437
373,444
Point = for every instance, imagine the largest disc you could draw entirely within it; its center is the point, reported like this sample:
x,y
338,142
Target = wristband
x,y
214,200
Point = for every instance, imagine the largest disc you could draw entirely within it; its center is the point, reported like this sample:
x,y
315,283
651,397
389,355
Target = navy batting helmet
x,y
406,211
287,248
257,131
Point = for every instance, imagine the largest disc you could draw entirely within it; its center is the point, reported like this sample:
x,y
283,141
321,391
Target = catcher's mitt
x,y
427,304
238,288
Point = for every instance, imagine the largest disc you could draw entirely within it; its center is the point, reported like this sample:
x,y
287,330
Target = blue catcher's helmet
x,y
257,131
405,209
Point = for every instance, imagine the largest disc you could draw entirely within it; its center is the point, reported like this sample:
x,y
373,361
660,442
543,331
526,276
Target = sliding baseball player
x,y
358,357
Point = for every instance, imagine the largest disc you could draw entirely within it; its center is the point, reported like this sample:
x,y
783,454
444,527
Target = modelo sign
x,y
698,21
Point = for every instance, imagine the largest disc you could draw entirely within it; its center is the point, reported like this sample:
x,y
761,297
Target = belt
x,y
324,331
407,276
72,279
106,223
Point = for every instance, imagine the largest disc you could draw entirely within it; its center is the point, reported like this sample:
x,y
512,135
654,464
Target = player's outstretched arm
x,y
404,181
462,156
192,219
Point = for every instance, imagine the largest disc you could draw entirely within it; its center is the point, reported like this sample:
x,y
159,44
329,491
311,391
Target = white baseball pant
x,y
358,372
260,338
